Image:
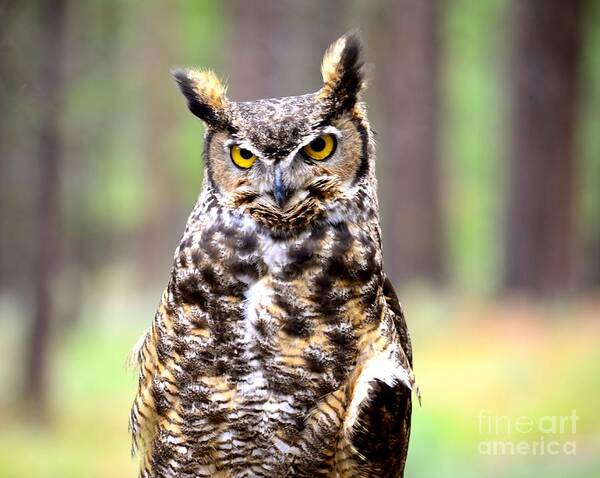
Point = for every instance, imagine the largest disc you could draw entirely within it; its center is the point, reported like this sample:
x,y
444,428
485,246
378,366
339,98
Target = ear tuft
x,y
205,94
342,70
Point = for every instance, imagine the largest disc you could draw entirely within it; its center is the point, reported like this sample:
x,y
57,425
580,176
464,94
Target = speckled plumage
x,y
279,347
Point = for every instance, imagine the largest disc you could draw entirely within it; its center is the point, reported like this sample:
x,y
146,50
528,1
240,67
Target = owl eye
x,y
241,157
320,148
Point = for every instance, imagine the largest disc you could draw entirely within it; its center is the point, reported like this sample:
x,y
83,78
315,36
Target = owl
x,y
279,347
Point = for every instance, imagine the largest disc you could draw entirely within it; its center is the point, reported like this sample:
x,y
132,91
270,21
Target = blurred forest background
x,y
487,115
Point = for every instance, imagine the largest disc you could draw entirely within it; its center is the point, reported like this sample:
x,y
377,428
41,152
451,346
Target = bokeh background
x,y
487,115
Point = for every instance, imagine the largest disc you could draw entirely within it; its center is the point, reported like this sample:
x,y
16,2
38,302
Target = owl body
x,y
279,347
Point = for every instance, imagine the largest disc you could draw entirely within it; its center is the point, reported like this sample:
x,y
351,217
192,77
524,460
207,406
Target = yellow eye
x,y
320,148
241,157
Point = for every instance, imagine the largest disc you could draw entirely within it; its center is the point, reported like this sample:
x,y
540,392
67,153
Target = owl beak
x,y
280,191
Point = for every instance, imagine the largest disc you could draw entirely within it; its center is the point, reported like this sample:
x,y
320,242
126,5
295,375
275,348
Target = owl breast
x,y
281,324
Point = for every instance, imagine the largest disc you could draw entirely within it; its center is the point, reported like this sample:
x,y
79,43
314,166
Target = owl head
x,y
287,162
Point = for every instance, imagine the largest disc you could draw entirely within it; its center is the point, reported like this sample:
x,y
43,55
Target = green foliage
x,y
87,432
473,131
589,137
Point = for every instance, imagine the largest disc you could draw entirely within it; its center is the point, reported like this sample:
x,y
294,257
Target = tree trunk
x,y
277,45
50,149
409,169
541,200
259,49
7,12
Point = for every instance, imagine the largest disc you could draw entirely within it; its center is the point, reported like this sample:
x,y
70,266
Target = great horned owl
x,y
279,347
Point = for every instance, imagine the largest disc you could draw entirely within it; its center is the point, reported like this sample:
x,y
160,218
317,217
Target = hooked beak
x,y
280,191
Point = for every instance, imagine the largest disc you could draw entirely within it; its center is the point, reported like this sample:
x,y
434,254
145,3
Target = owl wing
x,y
379,414
400,395
143,419
393,304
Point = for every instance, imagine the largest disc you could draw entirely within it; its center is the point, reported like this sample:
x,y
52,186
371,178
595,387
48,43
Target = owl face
x,y
287,162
